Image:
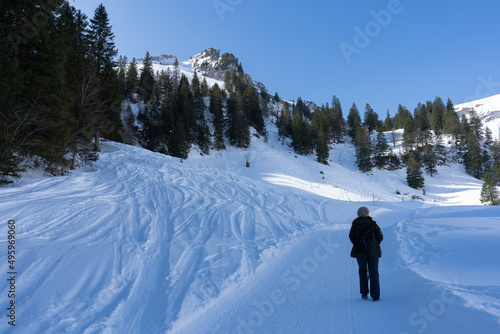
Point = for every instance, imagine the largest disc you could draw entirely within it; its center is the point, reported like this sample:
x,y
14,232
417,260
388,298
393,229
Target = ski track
x,y
142,268
145,243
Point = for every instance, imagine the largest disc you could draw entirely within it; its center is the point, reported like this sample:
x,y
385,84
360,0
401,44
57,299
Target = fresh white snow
x,y
488,109
146,243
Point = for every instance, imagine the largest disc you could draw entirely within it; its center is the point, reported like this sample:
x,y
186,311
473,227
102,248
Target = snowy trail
x,y
313,288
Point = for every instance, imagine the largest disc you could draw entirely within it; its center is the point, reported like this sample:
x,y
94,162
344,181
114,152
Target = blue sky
x,y
382,52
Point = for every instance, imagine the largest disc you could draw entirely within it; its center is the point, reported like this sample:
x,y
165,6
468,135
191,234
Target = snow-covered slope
x,y
488,109
167,63
145,243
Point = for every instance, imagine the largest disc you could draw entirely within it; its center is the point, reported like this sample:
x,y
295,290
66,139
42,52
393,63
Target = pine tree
x,y
363,149
388,122
146,80
353,121
381,151
103,51
251,107
87,88
488,138
489,191
184,109
476,125
202,132
451,121
322,151
402,117
495,157
370,118
237,131
337,122
216,109
301,134
437,115
285,123
473,158
304,109
430,160
440,151
414,175
131,79
409,136
102,38
394,163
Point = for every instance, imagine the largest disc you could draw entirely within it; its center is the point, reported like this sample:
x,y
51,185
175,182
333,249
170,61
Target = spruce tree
x,y
476,125
353,121
184,109
251,107
370,118
489,191
102,38
495,164
473,156
440,151
381,151
388,122
131,79
237,131
285,123
402,117
301,134
337,122
409,135
414,175
216,109
437,115
363,149
201,130
322,151
146,80
430,160
488,138
103,51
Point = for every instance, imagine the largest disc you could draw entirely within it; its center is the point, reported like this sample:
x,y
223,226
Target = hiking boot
x,y
376,299
364,296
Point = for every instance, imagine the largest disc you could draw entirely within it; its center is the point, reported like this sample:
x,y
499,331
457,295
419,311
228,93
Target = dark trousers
x,y
372,265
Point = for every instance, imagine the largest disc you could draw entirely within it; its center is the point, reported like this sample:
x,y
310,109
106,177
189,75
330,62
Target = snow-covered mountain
x,y
212,65
146,243
488,109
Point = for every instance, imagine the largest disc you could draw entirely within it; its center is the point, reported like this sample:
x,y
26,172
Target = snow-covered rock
x,y
488,109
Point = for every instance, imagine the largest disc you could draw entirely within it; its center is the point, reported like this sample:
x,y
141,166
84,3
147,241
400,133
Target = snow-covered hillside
x,y
146,243
488,109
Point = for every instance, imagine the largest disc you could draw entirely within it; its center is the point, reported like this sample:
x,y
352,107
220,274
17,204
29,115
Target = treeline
x,y
425,130
59,91
176,114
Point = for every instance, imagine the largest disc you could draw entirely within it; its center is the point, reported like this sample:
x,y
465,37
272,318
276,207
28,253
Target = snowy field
x,y
146,243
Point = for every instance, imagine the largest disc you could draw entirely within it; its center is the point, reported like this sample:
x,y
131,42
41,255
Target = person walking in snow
x,y
366,237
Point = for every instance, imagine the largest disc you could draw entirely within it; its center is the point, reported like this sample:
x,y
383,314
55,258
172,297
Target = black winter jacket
x,y
359,225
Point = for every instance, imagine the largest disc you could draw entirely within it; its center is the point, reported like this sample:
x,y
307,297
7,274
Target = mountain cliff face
x,y
488,109
211,63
